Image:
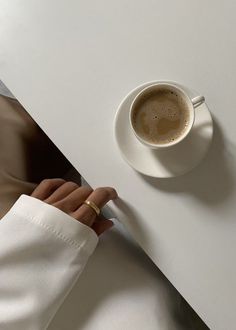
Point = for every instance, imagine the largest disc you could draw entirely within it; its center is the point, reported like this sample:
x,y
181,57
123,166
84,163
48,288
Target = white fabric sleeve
x,y
42,253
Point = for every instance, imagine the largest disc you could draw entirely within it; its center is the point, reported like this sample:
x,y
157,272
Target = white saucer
x,y
169,162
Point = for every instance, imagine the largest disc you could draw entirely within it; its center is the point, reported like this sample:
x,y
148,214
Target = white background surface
x,y
70,64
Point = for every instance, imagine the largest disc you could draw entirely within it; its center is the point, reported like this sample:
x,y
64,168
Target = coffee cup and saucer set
x,y
163,129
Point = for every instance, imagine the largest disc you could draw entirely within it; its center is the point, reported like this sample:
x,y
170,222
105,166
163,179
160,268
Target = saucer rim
x,y
143,85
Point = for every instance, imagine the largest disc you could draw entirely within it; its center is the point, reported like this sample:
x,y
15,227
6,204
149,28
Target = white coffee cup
x,y
192,104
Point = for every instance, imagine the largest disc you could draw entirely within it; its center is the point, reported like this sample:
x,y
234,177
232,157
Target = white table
x,y
71,63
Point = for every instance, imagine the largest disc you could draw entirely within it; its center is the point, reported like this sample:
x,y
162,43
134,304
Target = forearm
x,y
42,253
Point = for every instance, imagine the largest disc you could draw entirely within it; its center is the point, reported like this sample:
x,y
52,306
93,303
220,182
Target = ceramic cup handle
x,y
198,100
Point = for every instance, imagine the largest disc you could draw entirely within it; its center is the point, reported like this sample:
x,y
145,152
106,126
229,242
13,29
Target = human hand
x,y
69,197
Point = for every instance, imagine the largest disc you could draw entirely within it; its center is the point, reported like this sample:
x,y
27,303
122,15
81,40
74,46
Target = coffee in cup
x,y
162,115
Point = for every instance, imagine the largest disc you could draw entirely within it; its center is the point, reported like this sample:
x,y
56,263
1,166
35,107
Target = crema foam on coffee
x,y
161,116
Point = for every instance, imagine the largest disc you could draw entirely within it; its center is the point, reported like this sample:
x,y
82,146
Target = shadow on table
x,y
116,276
211,182
133,221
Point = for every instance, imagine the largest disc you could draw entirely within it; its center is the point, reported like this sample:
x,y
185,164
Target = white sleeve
x,y
42,253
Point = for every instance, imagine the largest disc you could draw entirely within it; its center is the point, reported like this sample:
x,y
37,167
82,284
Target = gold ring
x,y
93,206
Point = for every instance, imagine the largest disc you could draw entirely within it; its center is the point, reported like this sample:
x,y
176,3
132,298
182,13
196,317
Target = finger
x,y
100,197
62,192
74,200
46,188
101,226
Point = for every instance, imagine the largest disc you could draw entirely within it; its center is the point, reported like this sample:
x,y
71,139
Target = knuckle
x,y
62,205
103,192
47,182
51,182
71,184
60,180
99,190
106,191
87,190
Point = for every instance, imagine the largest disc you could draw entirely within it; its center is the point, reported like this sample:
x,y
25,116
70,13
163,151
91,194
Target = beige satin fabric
x,y
27,155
